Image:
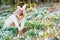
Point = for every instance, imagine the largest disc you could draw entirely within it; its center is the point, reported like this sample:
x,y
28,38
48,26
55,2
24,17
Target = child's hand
x,y
20,32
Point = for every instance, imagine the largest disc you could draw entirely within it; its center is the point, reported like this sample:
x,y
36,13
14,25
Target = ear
x,y
18,7
24,7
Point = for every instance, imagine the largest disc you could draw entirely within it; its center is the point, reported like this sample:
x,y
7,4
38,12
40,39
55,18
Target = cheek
x,y
17,15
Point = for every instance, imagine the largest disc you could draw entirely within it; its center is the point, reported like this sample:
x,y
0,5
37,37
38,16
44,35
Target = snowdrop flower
x,y
41,33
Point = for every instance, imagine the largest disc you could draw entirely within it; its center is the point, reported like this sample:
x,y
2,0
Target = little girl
x,y
18,17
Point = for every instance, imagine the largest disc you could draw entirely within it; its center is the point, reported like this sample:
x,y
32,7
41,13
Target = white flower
x,y
41,33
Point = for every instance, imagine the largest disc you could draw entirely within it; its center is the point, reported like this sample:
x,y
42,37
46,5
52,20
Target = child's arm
x,y
16,22
17,25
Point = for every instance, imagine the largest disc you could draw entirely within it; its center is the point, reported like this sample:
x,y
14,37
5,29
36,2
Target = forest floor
x,y
40,23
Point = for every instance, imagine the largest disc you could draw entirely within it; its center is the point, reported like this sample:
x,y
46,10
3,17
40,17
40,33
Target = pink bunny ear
x,y
18,7
24,7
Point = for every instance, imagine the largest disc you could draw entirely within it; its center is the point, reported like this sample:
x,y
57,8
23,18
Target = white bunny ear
x,y
24,7
18,7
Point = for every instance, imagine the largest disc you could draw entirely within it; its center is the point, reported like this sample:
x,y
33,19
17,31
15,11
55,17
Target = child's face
x,y
20,15
20,11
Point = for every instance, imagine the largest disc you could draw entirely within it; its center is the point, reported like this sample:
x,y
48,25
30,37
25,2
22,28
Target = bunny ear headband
x,y
19,8
23,8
